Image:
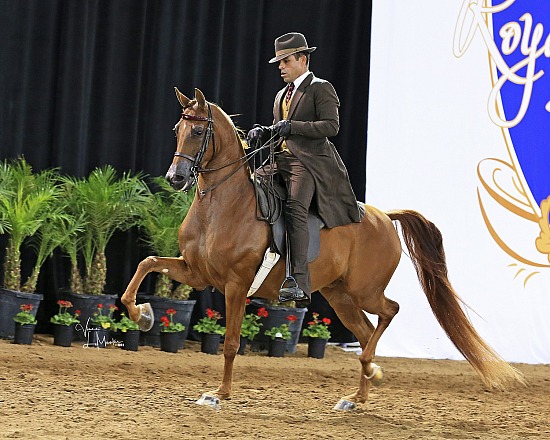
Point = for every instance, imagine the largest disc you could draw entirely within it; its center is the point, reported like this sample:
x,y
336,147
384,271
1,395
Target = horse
x,y
222,245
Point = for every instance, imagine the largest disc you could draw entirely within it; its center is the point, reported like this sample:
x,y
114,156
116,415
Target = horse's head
x,y
194,133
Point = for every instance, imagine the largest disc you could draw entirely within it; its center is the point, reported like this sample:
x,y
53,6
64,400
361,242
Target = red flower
x,y
262,312
247,301
165,321
171,312
64,303
212,314
292,318
112,307
26,307
100,306
311,323
326,321
77,313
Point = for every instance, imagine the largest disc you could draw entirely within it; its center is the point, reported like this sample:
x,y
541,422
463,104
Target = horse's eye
x,y
197,131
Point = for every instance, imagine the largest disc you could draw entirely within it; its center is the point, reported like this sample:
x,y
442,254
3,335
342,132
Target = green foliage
x,y
125,324
25,316
318,328
104,320
281,331
209,323
167,325
250,326
161,218
28,205
63,317
102,203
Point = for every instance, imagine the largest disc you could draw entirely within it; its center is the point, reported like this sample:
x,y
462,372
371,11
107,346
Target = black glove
x,y
255,135
282,128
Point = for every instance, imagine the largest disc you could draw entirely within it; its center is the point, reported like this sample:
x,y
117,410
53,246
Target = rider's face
x,y
291,68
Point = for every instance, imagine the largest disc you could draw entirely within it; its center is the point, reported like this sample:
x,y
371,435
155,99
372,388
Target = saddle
x,y
270,196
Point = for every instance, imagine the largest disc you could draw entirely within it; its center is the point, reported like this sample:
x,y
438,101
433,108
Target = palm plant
x,y
101,204
27,208
160,221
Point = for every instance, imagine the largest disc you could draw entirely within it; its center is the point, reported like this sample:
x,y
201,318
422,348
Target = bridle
x,y
196,161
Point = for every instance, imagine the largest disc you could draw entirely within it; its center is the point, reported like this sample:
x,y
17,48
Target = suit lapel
x,y
298,94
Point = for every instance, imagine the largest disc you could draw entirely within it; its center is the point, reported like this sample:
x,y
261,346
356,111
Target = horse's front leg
x,y
235,300
172,267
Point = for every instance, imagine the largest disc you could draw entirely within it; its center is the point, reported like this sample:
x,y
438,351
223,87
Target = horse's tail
x,y
424,242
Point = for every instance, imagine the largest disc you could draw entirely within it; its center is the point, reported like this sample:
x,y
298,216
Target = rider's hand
x,y
282,128
255,135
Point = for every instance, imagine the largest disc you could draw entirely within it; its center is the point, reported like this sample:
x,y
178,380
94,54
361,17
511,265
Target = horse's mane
x,y
240,134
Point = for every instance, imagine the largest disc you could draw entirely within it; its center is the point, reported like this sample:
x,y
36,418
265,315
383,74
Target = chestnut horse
x,y
222,245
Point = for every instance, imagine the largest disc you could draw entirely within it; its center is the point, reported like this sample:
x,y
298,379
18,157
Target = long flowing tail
x,y
424,242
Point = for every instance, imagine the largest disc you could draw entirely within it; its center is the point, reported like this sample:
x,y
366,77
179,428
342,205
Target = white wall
x,y
428,131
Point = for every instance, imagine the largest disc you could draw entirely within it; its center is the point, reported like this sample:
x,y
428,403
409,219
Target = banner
x,y
459,130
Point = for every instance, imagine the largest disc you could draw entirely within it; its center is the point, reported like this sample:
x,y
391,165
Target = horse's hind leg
x,y
352,316
357,322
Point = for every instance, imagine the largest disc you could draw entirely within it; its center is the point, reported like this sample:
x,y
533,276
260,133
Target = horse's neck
x,y
230,186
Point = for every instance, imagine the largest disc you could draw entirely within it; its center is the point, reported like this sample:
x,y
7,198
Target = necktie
x,y
289,93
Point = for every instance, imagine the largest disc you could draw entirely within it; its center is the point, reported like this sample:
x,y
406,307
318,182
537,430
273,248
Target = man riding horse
x,y
305,114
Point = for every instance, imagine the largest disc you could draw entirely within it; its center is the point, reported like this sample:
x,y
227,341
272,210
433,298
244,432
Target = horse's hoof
x,y
377,374
208,400
345,405
146,317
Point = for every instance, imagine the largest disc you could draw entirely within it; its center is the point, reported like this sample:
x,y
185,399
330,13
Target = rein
x,y
196,169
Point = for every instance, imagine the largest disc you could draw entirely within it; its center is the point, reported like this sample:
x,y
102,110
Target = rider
x,y
305,113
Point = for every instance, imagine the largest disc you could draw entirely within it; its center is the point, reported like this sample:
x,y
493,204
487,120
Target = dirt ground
x,y
50,392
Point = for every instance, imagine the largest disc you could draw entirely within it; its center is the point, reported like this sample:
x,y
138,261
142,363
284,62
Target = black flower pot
x,y
23,334
242,346
170,341
210,343
277,347
316,348
97,337
10,305
63,335
131,340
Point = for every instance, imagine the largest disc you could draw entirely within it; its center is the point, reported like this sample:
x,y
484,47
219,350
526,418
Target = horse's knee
x,y
147,264
230,349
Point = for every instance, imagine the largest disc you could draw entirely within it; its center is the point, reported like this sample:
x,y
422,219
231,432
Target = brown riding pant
x,y
300,188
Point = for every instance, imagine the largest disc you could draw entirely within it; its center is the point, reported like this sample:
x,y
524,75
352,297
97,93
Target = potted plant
x,y
159,223
100,205
211,331
99,335
170,332
25,323
279,335
277,314
27,208
130,332
318,335
250,326
64,324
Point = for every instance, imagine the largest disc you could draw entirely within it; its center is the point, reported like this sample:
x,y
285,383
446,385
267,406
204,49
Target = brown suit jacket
x,y
314,117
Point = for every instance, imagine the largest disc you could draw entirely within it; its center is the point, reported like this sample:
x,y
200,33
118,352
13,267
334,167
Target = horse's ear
x,y
199,97
184,100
